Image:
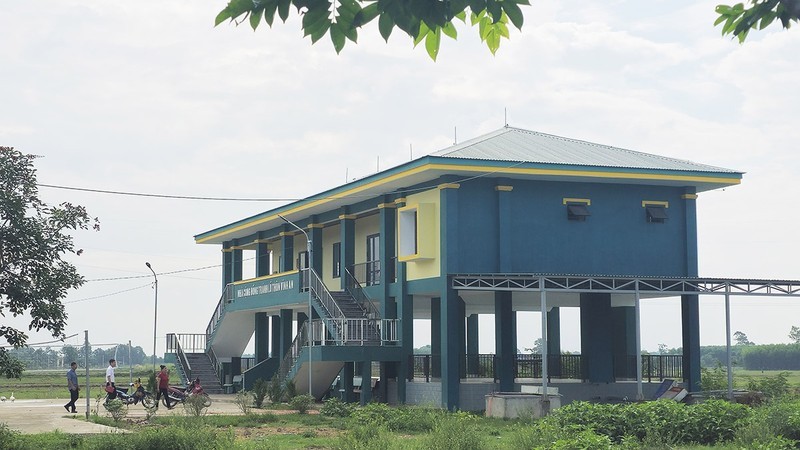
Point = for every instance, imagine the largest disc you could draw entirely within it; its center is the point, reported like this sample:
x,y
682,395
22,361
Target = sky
x,y
150,97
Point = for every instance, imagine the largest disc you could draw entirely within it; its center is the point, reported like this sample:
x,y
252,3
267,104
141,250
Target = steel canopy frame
x,y
667,286
670,286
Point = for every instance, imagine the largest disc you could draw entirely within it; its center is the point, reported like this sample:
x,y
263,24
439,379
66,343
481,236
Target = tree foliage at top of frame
x,y
33,238
739,19
421,20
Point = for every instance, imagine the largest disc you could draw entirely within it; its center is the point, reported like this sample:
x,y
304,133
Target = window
x,y
577,208
577,211
337,260
656,213
416,234
302,260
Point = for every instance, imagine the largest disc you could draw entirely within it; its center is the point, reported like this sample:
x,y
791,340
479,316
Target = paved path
x,y
40,416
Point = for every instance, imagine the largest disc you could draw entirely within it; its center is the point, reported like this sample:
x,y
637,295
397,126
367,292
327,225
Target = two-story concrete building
x,y
493,226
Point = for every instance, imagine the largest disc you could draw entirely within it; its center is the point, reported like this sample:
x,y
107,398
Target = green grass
x,y
740,376
36,384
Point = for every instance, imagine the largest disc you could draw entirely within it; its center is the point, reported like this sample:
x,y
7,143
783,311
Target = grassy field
x,y
36,384
740,376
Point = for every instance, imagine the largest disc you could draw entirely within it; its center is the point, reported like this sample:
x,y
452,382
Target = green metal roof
x,y
518,145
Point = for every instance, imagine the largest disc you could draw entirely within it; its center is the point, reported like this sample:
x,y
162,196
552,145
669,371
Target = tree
x,y
428,19
33,238
739,20
421,20
70,354
794,334
537,347
741,339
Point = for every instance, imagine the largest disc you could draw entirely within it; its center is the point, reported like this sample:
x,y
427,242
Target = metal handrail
x,y
294,351
183,360
355,289
214,361
323,296
225,298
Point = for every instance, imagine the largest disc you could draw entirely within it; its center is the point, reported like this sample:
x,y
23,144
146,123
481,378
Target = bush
x,y
715,379
196,405
456,431
289,389
243,401
335,407
116,409
260,388
781,418
364,436
774,387
705,423
301,403
275,390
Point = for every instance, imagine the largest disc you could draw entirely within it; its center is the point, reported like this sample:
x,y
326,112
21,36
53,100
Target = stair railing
x,y
355,289
225,298
324,296
183,360
290,358
214,362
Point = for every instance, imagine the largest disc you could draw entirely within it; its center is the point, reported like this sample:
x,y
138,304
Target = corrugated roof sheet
x,y
518,145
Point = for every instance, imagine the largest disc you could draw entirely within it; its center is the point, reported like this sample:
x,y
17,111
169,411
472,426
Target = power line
x,y
108,295
268,199
131,277
179,197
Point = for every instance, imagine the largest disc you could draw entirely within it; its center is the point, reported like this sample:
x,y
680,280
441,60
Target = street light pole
x,y
155,313
308,277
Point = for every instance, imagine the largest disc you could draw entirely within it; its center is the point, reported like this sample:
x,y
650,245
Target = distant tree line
x,y
59,358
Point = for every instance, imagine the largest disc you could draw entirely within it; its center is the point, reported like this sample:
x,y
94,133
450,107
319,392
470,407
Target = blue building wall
x,y
615,240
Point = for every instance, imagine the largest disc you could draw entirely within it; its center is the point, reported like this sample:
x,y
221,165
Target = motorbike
x,y
133,395
179,395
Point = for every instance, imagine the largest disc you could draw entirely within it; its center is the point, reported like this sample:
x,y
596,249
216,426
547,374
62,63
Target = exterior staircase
x,y
201,367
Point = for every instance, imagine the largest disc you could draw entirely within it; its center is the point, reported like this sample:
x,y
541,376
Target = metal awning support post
x,y
545,399
639,392
728,339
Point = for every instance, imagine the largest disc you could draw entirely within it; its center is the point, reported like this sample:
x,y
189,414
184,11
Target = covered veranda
x,y
636,288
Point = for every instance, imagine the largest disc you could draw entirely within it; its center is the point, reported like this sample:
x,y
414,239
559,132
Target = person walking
x,y
163,386
72,385
112,392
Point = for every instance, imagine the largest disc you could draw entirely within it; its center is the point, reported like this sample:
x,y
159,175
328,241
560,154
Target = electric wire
x,y
107,295
267,199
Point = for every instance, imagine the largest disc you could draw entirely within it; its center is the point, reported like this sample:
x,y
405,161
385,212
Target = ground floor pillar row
x,y
505,348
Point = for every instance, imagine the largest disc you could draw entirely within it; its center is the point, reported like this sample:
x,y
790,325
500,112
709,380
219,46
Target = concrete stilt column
x,y
504,342
596,338
261,337
472,344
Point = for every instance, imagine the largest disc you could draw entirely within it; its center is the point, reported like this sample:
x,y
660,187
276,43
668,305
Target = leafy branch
x,y
738,19
421,20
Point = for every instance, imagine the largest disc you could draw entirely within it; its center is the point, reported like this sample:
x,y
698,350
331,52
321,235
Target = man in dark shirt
x,y
72,385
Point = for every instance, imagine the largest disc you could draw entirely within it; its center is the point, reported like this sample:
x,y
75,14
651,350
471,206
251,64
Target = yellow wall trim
x,y
397,201
316,225
386,205
646,203
477,169
504,188
227,250
286,233
449,186
348,217
265,277
689,196
585,201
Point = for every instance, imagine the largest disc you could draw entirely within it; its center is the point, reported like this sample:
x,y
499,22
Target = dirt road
x,y
39,416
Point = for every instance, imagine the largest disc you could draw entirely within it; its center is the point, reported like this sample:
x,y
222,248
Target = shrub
x,y
301,403
117,409
7,436
781,418
715,379
195,405
456,431
289,389
715,421
275,390
364,436
335,407
243,401
774,387
260,388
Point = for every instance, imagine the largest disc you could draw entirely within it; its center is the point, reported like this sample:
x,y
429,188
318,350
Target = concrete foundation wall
x,y
472,394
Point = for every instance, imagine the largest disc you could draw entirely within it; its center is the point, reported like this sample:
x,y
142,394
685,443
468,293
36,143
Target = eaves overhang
x,y
412,177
